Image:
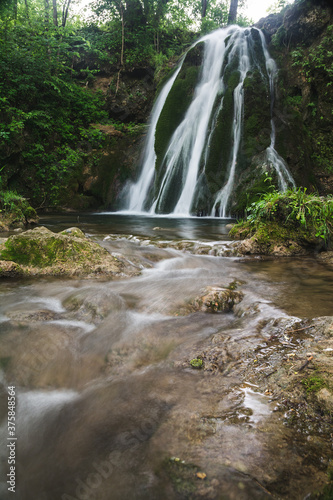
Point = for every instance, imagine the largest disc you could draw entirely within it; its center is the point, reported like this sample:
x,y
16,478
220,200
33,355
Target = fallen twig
x,y
271,373
299,329
305,364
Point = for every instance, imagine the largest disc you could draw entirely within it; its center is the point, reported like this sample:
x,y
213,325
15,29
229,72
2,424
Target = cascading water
x,y
138,191
284,177
244,66
198,170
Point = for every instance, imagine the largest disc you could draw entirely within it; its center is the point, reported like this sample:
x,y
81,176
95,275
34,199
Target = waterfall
x,y
189,138
180,180
223,196
138,191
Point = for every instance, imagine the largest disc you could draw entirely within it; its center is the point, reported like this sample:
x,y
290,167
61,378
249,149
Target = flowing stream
x,y
108,405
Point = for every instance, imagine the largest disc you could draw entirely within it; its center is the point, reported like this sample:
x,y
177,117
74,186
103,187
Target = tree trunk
x,y
121,10
65,12
15,9
233,12
55,13
27,10
203,8
47,11
122,35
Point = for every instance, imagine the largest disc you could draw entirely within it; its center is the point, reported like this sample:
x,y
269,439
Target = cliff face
x,y
301,40
128,97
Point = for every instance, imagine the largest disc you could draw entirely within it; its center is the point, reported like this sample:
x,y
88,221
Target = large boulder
x,y
40,251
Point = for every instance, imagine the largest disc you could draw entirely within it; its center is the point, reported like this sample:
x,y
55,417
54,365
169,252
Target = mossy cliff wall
x,y
300,39
128,98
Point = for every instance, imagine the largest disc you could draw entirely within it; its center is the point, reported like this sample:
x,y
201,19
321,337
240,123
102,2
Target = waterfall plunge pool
x,y
162,227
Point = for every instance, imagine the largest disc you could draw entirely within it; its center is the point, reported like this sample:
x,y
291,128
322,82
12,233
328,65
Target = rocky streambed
x,y
192,373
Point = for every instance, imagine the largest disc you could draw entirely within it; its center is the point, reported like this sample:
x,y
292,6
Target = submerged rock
x,y
216,299
326,257
40,251
92,304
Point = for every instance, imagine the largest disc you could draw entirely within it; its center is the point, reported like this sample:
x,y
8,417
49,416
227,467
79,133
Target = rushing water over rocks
x,y
110,407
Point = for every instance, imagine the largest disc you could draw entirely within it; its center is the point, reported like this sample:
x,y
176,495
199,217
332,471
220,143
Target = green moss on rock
x,y
257,115
196,363
40,251
286,223
221,141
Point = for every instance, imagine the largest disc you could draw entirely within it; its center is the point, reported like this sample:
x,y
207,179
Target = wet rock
x,y
326,257
93,304
10,269
270,24
325,399
40,251
324,326
73,231
32,317
251,246
216,299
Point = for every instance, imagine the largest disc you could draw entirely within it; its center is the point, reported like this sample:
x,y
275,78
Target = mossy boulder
x,y
287,223
274,238
40,251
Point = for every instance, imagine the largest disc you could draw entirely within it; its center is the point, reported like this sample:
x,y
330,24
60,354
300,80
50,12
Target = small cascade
x,y
285,179
197,170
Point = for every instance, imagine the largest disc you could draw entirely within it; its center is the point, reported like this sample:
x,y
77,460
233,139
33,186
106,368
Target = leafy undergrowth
x,y
277,218
15,211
